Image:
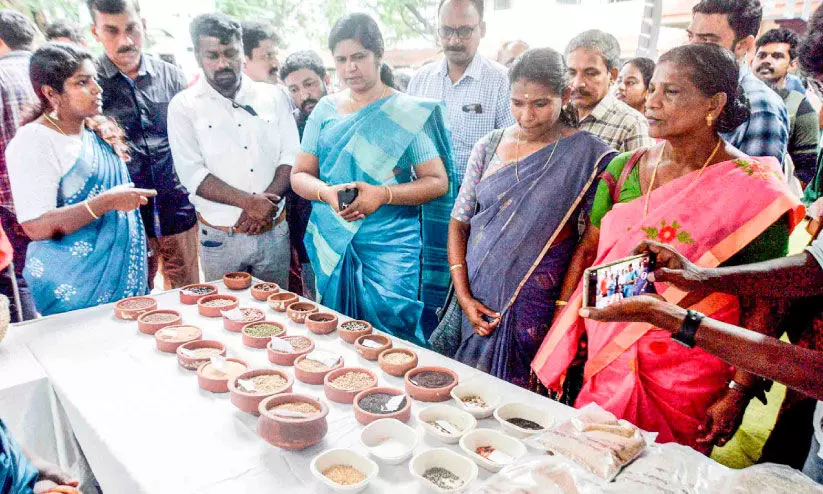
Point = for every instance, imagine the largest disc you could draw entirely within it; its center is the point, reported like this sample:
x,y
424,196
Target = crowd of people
x,y
459,214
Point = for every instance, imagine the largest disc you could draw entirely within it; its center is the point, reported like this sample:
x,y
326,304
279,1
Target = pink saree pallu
x,y
637,371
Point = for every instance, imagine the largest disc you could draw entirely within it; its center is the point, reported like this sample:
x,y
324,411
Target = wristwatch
x,y
685,335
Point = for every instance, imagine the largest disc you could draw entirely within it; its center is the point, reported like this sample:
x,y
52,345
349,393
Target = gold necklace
x,y
352,100
517,155
654,174
54,122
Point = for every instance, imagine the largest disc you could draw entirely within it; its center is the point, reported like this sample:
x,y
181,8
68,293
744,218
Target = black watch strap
x,y
685,335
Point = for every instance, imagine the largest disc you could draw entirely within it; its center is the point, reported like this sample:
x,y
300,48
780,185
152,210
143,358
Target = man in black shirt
x,y
137,89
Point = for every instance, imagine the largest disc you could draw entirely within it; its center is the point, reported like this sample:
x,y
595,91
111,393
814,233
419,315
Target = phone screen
x,y
624,279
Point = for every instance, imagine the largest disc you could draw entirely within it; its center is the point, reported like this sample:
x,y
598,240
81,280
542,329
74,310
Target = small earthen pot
x,y
321,322
283,358
313,376
368,352
261,341
342,395
171,337
187,358
366,417
298,311
289,432
280,300
218,382
237,281
250,315
209,306
398,370
129,309
351,335
190,294
249,402
152,321
262,291
421,393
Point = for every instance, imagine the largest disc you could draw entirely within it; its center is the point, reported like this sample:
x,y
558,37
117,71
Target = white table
x,y
146,427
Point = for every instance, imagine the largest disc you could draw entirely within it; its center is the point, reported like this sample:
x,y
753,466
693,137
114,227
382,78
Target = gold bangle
x,y
560,303
390,194
319,189
88,208
454,267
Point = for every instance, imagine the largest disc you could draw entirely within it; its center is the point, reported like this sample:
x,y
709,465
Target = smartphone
x,y
345,197
609,283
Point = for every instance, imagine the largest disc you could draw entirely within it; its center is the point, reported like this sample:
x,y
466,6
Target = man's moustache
x,y
129,49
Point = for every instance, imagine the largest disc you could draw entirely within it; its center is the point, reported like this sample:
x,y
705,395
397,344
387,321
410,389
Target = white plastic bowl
x,y
481,389
464,420
497,440
332,457
443,458
382,429
523,411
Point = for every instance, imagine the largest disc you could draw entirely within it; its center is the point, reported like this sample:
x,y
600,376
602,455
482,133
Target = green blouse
x,y
771,244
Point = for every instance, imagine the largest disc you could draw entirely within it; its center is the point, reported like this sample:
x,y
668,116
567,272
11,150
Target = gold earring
x,y
709,120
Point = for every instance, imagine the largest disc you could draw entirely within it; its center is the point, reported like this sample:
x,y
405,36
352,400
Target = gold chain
x,y
54,122
517,155
352,100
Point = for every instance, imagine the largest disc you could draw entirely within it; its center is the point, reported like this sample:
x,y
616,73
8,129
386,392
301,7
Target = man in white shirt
x,y
234,142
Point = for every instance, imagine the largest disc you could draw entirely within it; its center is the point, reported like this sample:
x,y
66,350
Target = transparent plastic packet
x,y
538,475
768,478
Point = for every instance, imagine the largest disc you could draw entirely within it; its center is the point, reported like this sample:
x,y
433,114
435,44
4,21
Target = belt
x,y
230,229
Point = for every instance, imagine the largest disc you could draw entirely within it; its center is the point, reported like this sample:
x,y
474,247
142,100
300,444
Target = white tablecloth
x,y
146,427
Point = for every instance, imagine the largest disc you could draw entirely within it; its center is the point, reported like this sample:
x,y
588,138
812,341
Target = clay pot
x,y
369,353
191,362
130,308
321,322
260,341
282,358
339,395
171,337
262,291
152,321
188,297
237,281
216,310
420,393
298,311
365,417
310,376
219,382
292,433
250,315
398,370
250,402
351,335
280,300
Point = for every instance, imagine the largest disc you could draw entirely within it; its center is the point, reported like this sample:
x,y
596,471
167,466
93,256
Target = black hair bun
x,y
734,114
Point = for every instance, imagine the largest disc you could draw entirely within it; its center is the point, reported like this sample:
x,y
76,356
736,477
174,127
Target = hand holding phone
x,y
345,197
606,284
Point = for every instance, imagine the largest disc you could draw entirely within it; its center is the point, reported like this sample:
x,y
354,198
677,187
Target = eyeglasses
x,y
462,32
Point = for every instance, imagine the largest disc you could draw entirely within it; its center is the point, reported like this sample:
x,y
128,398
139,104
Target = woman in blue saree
x,y
515,224
72,192
395,151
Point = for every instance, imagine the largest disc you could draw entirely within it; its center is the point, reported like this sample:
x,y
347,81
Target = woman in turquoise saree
x,y
383,257
73,193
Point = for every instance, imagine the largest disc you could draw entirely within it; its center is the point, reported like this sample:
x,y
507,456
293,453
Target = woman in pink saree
x,y
717,206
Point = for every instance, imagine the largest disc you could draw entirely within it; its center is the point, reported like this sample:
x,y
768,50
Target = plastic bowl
x,y
459,465
332,457
463,421
381,430
523,411
480,389
510,446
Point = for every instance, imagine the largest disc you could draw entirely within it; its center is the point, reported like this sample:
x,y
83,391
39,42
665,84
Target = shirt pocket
x,y
473,126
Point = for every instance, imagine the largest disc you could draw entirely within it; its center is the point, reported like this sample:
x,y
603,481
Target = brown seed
x,y
351,381
344,475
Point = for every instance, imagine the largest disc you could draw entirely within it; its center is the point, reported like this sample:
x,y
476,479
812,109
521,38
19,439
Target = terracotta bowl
x,y
312,376
250,315
262,291
340,395
205,308
321,322
261,341
218,382
398,370
249,402
190,297
280,300
420,393
291,433
192,362
298,311
150,322
129,308
171,337
237,281
365,417
283,358
368,352
351,335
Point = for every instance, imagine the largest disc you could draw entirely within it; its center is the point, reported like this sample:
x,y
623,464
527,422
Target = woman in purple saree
x,y
514,227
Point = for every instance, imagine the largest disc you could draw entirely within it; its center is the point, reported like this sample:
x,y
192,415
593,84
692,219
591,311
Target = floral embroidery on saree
x,y
668,233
